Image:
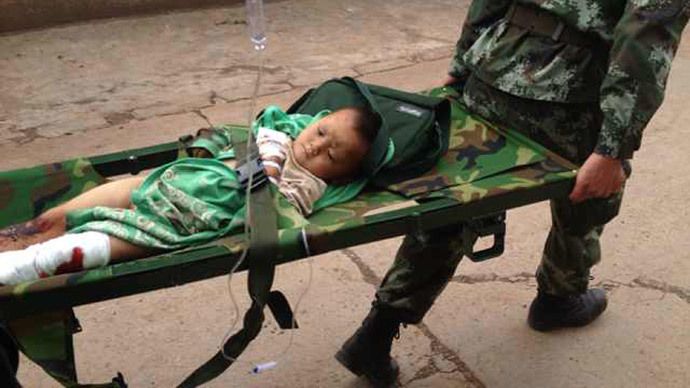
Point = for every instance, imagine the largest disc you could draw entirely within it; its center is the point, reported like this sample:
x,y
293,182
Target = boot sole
x,y
552,326
345,361
556,323
356,369
544,326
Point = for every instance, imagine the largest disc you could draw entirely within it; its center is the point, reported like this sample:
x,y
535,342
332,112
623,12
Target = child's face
x,y
331,148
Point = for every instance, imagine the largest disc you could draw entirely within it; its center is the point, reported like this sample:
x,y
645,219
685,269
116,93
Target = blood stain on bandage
x,y
76,262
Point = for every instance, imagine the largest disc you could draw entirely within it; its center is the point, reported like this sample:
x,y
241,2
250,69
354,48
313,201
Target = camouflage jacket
x,y
627,78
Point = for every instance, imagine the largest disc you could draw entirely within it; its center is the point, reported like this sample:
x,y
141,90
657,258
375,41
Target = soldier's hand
x,y
599,177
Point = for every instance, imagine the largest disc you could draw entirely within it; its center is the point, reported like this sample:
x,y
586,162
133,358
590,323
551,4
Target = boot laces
x,y
397,331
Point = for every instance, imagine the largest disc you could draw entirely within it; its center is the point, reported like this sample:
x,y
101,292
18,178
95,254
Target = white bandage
x,y
67,253
270,163
271,143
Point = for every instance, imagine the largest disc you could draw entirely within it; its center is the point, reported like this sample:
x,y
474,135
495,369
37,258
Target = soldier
x,y
581,77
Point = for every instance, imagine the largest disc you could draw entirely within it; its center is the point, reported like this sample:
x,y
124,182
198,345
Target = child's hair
x,y
367,122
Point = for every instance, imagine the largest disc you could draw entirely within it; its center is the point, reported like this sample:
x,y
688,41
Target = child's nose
x,y
317,146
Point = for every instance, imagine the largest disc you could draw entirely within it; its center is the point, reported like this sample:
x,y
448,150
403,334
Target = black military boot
x,y
549,312
367,352
9,359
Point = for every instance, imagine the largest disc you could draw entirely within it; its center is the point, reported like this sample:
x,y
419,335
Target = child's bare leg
x,y
121,250
50,224
115,194
65,254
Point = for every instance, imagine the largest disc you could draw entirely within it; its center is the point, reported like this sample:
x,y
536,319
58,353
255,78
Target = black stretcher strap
x,y
263,250
277,302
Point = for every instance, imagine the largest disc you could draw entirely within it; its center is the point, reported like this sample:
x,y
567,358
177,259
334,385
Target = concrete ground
x,y
18,15
110,85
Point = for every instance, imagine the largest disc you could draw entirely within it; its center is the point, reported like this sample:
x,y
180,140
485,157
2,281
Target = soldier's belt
x,y
544,23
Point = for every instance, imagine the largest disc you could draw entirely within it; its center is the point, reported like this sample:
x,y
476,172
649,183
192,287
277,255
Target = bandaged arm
x,y
272,150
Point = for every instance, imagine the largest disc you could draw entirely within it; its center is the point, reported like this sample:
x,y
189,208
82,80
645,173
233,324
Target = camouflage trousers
x,y
426,262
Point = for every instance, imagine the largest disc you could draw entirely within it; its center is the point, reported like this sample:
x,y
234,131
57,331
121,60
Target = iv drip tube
x,y
256,23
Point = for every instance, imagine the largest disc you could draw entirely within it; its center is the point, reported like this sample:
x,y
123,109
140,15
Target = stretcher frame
x,y
63,292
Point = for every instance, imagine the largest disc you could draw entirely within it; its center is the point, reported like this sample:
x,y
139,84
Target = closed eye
x,y
321,131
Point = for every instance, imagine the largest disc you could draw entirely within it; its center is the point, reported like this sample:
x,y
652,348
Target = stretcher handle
x,y
491,225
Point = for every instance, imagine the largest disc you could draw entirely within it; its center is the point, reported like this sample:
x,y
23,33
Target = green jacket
x,y
627,78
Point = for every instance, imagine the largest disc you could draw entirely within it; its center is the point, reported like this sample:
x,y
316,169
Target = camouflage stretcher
x,y
486,171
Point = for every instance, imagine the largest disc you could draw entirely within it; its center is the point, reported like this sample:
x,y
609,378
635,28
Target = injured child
x,y
314,161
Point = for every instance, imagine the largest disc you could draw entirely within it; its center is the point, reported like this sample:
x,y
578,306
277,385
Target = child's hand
x,y
199,153
272,171
272,166
208,142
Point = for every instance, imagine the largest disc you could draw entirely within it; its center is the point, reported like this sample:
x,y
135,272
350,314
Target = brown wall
x,y
24,14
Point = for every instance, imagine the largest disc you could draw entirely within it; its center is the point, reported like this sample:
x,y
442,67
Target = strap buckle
x,y
254,169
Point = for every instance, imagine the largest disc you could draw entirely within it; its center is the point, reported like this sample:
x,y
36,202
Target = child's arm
x,y
272,146
209,142
272,167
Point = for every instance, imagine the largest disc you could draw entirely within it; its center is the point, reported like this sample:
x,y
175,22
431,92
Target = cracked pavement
x,y
102,86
